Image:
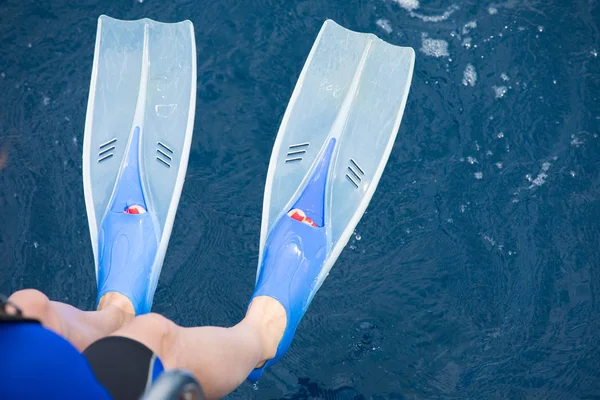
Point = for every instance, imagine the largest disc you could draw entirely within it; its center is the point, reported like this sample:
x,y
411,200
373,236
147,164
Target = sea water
x,y
475,272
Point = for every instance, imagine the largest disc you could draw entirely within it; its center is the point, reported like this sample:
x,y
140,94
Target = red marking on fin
x,y
135,209
299,215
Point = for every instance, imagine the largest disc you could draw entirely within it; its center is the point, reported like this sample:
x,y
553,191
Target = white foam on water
x,y
489,239
478,175
46,100
408,5
492,10
499,165
469,76
435,18
504,77
471,160
385,25
468,26
500,91
540,179
434,47
3,75
576,140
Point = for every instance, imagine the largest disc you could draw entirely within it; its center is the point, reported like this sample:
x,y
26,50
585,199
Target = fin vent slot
x,y
163,154
357,166
352,180
106,144
355,173
296,151
164,147
106,150
163,162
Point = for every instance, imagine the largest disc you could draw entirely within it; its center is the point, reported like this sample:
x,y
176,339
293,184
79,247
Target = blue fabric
x,y
39,364
157,369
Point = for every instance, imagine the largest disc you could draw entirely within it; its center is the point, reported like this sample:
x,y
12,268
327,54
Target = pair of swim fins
x,y
333,144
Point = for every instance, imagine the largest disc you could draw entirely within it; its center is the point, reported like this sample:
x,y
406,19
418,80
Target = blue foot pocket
x,y
128,245
294,254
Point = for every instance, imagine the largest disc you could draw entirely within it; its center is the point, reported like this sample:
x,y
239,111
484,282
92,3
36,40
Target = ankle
x,y
117,303
269,318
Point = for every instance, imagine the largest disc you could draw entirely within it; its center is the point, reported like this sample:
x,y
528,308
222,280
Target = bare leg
x,y
219,358
81,328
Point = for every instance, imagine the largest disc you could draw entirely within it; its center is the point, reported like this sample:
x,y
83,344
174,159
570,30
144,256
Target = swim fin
x,y
138,132
333,144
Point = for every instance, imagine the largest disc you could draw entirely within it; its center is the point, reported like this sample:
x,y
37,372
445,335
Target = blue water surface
x,y
475,272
